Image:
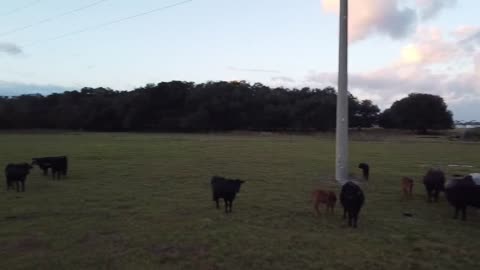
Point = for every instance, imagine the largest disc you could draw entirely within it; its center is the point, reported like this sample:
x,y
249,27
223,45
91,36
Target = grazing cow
x,y
407,186
365,170
434,182
326,197
226,189
58,165
352,200
463,192
17,173
43,163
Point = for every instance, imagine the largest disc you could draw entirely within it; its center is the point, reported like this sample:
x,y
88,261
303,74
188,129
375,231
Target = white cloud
x,y
430,8
465,31
386,17
422,66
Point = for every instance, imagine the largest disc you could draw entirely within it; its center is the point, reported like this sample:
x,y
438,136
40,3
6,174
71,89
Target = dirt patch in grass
x,y
19,217
175,252
95,238
23,246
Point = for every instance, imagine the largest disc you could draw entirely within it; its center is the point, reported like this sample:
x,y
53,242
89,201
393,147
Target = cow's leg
x,y
231,204
464,213
218,204
350,218
23,186
315,207
226,205
45,171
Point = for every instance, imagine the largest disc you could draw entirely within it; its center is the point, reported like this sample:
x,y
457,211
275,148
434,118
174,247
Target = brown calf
x,y
407,186
326,197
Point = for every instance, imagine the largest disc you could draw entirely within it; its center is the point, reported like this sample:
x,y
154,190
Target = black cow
x,y
58,165
17,173
352,200
365,170
226,189
434,182
462,192
43,163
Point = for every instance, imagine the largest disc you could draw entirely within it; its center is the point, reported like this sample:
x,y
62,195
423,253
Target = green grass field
x,y
143,201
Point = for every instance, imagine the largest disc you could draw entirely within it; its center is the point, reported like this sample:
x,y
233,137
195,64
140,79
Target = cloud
x,y
254,70
368,17
465,31
473,39
429,47
284,79
431,63
15,88
386,17
430,8
10,48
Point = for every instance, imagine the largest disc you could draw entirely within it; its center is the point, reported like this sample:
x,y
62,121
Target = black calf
x,y
226,189
434,182
17,173
352,200
58,165
365,170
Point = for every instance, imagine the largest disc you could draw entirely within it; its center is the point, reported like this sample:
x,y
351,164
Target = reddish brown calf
x,y
407,186
326,197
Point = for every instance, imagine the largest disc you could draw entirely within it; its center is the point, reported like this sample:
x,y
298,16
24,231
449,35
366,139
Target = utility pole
x,y
341,168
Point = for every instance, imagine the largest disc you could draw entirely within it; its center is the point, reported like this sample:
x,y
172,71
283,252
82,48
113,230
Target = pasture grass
x,y
143,201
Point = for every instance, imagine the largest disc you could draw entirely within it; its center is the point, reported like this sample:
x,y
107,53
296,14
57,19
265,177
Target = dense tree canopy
x,y
184,106
419,112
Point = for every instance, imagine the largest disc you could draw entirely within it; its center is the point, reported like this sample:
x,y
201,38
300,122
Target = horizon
x,y
427,46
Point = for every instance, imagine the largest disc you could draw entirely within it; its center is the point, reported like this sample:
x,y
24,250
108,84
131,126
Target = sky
x,y
396,47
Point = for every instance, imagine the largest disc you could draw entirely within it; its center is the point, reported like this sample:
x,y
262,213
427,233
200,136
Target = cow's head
x,y
238,184
26,166
363,166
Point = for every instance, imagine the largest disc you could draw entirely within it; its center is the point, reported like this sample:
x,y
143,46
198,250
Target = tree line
x,y
179,106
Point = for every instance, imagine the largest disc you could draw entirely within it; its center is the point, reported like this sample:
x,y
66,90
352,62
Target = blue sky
x,y
281,42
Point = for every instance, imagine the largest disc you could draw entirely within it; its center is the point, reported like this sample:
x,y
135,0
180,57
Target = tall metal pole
x,y
341,169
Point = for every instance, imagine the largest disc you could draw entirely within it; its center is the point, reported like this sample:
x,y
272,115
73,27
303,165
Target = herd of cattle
x,y
461,191
17,173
